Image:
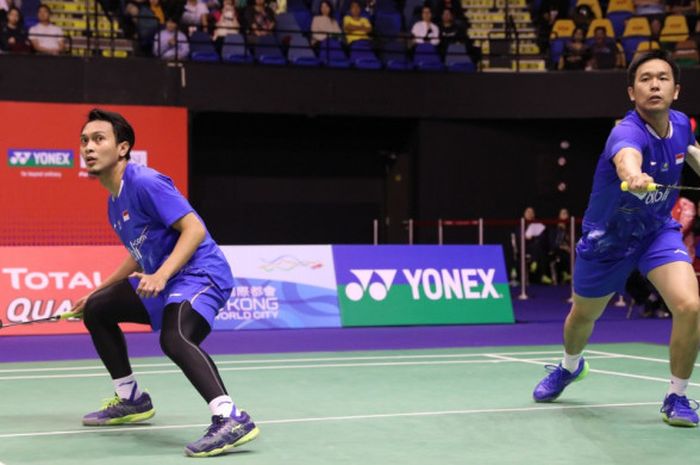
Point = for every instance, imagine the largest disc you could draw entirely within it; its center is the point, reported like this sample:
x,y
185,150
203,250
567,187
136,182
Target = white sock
x,y
127,387
678,386
224,406
570,362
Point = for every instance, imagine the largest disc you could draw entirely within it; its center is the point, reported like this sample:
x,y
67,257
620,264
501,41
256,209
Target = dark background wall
x,y
313,156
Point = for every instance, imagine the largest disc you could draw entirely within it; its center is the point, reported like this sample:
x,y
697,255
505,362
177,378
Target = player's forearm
x,y
628,164
128,266
192,233
694,157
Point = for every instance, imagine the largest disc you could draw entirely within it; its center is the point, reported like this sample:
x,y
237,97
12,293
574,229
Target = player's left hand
x,y
150,285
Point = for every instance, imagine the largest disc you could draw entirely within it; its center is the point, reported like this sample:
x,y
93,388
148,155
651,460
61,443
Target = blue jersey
x,y
617,223
142,215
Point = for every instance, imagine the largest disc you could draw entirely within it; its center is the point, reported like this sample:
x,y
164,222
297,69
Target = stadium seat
x,y
202,48
620,5
362,56
387,26
636,31
386,6
234,50
596,23
618,12
395,57
331,53
286,27
675,29
457,60
301,54
304,18
410,12
426,58
268,52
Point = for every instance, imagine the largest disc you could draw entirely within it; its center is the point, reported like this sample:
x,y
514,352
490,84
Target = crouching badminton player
x,y
179,281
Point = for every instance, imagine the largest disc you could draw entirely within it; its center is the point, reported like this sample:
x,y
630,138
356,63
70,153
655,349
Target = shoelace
x,y
111,402
685,404
217,423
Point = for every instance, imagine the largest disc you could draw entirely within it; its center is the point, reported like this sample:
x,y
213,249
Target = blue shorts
x,y
598,278
204,296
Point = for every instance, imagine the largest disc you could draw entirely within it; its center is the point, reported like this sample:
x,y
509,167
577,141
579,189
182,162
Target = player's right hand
x,y
79,306
638,183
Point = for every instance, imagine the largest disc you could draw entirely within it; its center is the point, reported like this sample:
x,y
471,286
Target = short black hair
x,y
123,132
43,5
652,55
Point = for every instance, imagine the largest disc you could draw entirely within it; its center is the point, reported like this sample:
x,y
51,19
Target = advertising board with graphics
x,y
281,287
46,195
422,284
41,282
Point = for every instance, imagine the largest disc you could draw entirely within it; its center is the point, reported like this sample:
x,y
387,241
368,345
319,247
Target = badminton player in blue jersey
x,y
633,229
174,278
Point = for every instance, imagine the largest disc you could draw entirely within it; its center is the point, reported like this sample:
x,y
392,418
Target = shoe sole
x,y
133,418
581,375
252,434
678,422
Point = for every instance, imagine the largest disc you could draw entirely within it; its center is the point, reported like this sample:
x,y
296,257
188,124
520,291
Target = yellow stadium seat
x,y
675,29
601,22
594,4
637,26
620,5
563,28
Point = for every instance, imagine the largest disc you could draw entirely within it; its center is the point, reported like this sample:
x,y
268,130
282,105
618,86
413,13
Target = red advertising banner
x,y
40,282
46,196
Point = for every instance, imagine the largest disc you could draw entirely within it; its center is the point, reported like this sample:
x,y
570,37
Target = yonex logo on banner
x,y
429,283
33,158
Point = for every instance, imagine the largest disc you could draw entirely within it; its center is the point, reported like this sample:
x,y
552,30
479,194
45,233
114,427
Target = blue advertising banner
x,y
280,287
422,284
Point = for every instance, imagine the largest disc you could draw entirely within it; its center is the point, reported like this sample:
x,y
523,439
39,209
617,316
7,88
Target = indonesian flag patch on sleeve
x,y
680,157
125,213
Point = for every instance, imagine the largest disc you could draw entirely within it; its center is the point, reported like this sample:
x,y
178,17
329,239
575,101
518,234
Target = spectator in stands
x,y
260,19
656,26
196,15
604,53
157,10
4,10
142,24
324,23
554,9
355,26
451,32
46,38
536,247
13,36
576,53
649,7
426,31
560,248
226,21
170,43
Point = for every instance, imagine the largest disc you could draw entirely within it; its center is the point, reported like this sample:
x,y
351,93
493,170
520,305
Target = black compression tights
x,y
183,331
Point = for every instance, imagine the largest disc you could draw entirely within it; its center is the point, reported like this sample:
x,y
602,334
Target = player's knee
x,y
686,308
91,312
171,342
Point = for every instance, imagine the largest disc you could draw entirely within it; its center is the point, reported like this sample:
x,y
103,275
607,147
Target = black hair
x,y
43,5
652,55
330,7
123,132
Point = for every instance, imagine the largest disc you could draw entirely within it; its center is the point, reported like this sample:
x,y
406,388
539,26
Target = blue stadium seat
x,y
267,51
457,60
395,56
618,18
303,17
202,48
386,6
301,54
286,27
410,12
362,56
387,26
234,50
426,58
331,53
556,49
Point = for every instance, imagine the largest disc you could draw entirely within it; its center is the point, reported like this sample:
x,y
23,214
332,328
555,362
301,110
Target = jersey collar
x,y
653,133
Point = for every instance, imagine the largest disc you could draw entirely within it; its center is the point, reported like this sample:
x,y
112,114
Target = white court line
x,y
539,408
632,357
286,360
286,367
604,372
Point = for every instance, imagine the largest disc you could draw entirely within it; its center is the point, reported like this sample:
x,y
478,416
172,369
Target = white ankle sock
x,y
127,387
224,406
677,386
570,362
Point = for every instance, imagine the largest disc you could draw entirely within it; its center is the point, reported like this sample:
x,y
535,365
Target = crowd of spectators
x,y
43,37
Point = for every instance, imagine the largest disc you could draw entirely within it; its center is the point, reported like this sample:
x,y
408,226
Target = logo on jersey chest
x,y
651,198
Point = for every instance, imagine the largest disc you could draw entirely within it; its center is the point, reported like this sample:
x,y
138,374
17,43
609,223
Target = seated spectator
x,y
536,247
649,7
560,248
425,31
576,53
656,26
13,36
355,26
451,32
604,54
170,43
45,37
582,16
684,212
226,20
260,19
4,10
324,24
140,23
196,15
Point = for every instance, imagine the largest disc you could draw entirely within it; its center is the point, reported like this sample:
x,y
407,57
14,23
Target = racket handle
x,y
67,315
651,187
